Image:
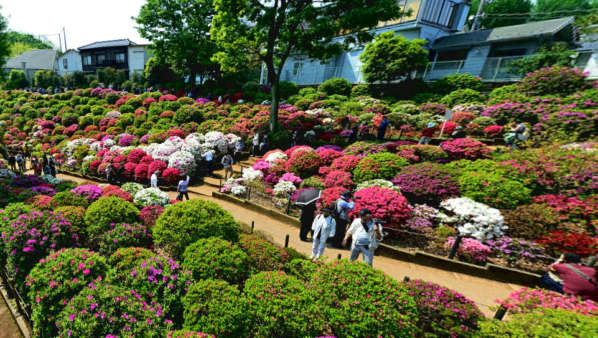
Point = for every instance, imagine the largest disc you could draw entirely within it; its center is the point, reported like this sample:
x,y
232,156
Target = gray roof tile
x,y
110,43
34,59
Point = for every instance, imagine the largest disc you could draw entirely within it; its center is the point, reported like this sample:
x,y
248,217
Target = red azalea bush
x,y
156,166
141,172
167,97
584,213
147,102
167,114
493,131
171,175
289,152
323,171
150,214
147,159
345,163
416,153
40,202
129,170
338,178
560,242
329,155
330,195
136,155
93,166
303,163
463,117
120,194
176,132
385,204
449,127
465,148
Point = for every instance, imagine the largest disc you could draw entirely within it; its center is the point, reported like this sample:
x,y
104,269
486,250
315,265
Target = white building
x,y
69,62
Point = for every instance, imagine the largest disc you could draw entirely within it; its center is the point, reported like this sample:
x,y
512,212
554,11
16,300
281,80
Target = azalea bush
x,y
556,80
151,196
494,190
526,300
465,148
124,259
338,178
150,214
122,235
89,191
426,183
106,211
262,254
345,163
530,221
385,204
470,250
421,153
560,242
303,162
473,219
215,258
381,165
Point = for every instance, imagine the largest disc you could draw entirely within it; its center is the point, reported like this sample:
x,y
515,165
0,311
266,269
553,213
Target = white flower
x,y
273,157
113,114
151,196
163,151
377,183
174,141
238,190
50,179
184,161
284,188
475,219
250,174
5,173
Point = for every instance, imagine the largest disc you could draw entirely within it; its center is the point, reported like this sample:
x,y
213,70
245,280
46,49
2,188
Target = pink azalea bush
x,y
385,204
345,163
493,130
465,148
470,249
526,300
89,191
290,177
338,178
150,214
330,195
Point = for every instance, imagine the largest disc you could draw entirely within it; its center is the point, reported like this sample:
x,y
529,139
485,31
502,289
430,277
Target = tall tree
x,y
4,45
272,30
23,42
180,34
498,13
550,9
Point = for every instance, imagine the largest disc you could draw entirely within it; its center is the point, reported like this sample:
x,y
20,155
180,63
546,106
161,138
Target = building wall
x,y
592,66
138,56
73,63
476,58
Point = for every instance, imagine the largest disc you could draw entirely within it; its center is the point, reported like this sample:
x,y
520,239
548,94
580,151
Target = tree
x,y
17,79
557,55
45,79
392,57
180,34
110,76
550,9
158,73
22,42
76,80
4,45
498,13
270,31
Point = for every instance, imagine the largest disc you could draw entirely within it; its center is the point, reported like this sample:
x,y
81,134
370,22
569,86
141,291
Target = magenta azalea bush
x,y
345,163
526,300
470,249
89,191
465,148
122,235
426,183
150,214
338,178
385,204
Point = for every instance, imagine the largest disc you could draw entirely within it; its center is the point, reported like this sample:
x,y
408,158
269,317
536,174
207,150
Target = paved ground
x,y
8,327
482,291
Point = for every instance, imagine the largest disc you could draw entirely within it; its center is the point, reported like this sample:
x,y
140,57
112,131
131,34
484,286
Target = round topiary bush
x,y
339,86
465,148
379,165
108,210
122,235
303,163
443,312
530,221
215,258
358,301
426,183
282,306
262,254
160,280
461,96
75,216
385,204
67,198
215,307
106,310
124,259
186,222
7,216
494,190
56,279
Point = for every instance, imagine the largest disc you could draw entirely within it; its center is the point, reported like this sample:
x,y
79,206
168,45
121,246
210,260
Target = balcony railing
x,y
495,69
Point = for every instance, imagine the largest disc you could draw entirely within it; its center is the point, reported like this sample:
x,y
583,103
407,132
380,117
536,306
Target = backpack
x,y
334,206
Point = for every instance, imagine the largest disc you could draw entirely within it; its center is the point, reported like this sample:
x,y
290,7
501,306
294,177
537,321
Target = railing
x,y
440,69
501,69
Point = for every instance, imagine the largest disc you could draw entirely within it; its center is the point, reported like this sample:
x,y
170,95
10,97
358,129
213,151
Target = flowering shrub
x,y
338,178
442,311
557,80
363,148
284,189
120,194
155,166
150,214
136,155
151,196
474,219
121,235
57,278
380,165
107,210
423,216
449,127
465,148
89,191
131,187
571,210
494,189
303,162
217,307
421,153
560,242
66,198
289,177
512,250
262,254
462,117
426,183
345,163
105,310
158,280
125,259
141,171
470,249
385,204
184,161
493,131
215,258
526,300
377,183
186,222
272,297
40,202
329,155
330,195
530,221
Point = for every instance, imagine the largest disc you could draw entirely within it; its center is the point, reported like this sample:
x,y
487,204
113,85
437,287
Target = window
x,y
120,58
65,63
297,67
87,60
101,59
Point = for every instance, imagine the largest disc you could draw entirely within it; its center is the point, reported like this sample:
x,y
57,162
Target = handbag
x,y
374,242
581,274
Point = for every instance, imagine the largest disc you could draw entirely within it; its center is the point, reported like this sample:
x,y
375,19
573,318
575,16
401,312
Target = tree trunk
x,y
275,90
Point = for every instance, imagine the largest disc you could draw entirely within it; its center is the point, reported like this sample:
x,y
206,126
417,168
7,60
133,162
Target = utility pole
x,y
64,36
476,20
60,42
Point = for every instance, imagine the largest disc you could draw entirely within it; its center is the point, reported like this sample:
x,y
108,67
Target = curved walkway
x,y
480,290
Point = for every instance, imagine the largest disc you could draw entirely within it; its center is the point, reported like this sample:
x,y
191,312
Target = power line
x,y
544,13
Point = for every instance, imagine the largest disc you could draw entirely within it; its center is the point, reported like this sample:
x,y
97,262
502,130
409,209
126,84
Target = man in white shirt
x,y
154,179
209,160
362,230
323,227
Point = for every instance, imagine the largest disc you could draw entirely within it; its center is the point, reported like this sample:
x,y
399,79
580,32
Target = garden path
x,y
7,322
480,290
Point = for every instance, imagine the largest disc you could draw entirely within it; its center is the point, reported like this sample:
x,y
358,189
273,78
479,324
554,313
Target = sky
x,y
85,21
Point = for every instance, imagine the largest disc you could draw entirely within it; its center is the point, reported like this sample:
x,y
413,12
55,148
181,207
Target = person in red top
x,y
427,133
578,280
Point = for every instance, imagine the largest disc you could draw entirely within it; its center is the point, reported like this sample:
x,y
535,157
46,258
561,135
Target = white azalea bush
x,y
275,156
6,173
284,189
238,190
50,179
250,174
377,183
184,161
151,196
132,188
473,219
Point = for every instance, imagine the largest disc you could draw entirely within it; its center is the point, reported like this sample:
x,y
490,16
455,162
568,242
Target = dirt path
x,y
8,326
480,290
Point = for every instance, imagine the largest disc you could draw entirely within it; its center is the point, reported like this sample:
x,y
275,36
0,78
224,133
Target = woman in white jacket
x,y
323,227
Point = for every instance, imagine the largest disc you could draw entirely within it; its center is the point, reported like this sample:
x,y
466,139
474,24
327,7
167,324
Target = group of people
x,y
428,132
45,166
260,145
330,225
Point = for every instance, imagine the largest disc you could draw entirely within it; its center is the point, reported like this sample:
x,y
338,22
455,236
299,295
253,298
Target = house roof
x,y
109,43
503,34
34,59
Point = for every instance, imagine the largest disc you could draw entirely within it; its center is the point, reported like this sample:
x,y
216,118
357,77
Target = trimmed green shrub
x,y
186,222
542,323
67,198
340,86
108,210
262,254
530,221
462,96
380,165
313,182
360,90
454,82
215,307
288,89
124,259
56,279
556,80
282,306
76,216
215,258
494,190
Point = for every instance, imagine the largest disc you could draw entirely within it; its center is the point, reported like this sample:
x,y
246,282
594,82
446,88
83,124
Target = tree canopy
x,y
271,31
498,13
23,42
4,45
392,57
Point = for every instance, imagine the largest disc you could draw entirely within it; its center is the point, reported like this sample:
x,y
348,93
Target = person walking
x,y
342,206
366,233
238,150
382,128
154,179
20,163
12,162
209,158
427,133
294,136
37,166
52,166
568,276
227,162
256,144
322,228
264,145
306,219
182,189
109,171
